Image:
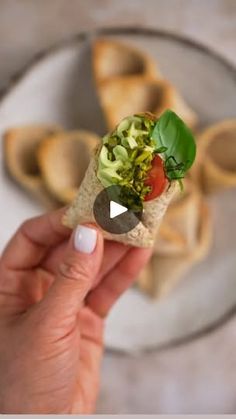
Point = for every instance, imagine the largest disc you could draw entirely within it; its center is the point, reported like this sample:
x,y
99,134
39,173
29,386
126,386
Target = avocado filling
x,y
127,154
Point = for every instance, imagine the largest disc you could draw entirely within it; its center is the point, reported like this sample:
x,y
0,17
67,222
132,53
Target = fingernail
x,y
85,239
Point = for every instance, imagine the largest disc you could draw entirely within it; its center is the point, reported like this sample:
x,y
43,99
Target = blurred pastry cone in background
x,y
112,59
20,150
170,264
63,160
128,82
122,96
48,162
215,168
178,231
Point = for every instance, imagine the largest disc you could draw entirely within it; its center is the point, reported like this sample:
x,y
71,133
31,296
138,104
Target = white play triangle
x,y
116,209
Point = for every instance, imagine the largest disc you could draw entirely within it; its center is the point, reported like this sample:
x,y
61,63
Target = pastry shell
x,y
122,96
216,169
111,59
63,160
20,152
163,273
178,231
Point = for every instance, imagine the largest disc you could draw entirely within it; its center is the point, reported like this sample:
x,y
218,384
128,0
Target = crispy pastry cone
x,y
178,231
63,160
20,149
122,96
143,235
217,147
112,59
163,272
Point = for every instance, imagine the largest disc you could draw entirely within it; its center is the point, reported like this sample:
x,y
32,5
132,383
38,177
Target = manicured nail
x,y
85,239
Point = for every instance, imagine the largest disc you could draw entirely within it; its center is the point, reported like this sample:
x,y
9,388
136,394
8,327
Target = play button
x,y
117,210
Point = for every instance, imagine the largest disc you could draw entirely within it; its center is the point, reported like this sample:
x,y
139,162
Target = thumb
x,y
76,275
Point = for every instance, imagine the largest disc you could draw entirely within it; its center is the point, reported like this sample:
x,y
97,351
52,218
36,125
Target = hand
x,y
55,292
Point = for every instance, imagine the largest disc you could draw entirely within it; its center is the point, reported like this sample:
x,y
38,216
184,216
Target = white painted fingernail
x,y
85,239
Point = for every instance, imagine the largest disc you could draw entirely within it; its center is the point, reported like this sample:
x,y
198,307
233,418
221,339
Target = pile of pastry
x,y
50,162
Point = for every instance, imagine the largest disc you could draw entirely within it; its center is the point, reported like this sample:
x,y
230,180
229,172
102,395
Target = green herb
x,y
180,148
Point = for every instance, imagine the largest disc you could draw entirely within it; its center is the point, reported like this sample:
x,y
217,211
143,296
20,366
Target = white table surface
x,y
198,377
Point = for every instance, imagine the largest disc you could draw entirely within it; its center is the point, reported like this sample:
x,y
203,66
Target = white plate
x,y
57,88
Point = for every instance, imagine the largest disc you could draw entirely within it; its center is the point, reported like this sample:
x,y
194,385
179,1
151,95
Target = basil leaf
x,y
171,132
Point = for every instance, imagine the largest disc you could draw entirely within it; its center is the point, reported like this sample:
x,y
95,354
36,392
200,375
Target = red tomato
x,y
156,179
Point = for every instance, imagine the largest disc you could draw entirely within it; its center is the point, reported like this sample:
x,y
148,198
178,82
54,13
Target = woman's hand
x,y
55,291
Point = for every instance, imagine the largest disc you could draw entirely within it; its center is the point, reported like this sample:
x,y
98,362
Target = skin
x,y
53,302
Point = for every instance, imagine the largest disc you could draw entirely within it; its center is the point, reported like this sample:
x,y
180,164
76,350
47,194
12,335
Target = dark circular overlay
x,y
122,223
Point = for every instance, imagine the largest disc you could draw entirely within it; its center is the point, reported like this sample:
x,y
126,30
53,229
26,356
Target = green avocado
x,y
126,155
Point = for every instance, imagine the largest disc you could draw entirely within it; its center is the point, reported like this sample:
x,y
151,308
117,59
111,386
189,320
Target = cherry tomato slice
x,y
156,179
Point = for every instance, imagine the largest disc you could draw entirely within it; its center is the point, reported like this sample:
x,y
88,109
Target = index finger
x,y
118,280
29,245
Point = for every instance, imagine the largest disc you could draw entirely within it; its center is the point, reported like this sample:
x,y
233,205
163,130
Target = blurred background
x,y
27,26
198,376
